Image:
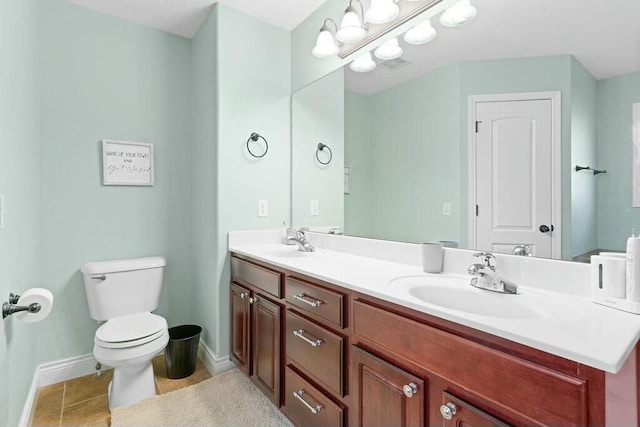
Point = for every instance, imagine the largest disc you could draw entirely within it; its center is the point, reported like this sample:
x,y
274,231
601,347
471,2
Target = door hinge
x,y
477,122
477,210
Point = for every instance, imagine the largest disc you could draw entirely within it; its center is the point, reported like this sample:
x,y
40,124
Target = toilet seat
x,y
130,330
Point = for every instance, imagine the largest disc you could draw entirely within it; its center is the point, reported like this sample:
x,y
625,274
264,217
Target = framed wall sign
x,y
127,163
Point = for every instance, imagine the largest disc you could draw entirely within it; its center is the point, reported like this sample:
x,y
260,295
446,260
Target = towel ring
x,y
254,137
321,147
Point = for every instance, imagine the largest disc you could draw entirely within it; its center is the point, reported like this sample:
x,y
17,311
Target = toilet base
x,y
131,384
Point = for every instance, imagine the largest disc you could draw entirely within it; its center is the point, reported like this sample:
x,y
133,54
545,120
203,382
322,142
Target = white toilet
x,y
123,293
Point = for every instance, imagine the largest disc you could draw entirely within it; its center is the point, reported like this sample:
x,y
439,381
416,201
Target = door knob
x,y
448,411
545,228
409,389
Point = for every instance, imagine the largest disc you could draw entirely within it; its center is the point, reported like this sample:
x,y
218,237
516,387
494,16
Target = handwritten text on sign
x,y
127,163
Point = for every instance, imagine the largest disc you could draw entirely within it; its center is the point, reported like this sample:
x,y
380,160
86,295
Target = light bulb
x,y
351,30
363,63
388,50
382,11
458,14
325,45
421,33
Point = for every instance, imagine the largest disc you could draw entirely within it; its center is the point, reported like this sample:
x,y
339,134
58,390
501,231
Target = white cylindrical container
x,y
431,257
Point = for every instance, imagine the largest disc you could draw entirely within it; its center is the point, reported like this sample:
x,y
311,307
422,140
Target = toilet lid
x,y
132,327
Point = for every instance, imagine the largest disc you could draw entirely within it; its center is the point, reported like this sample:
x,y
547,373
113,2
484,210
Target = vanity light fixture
x,y
421,33
363,63
382,11
458,14
326,46
388,50
351,28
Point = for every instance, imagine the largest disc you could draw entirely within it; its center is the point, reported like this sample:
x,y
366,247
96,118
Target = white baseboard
x,y
29,408
214,364
79,366
66,369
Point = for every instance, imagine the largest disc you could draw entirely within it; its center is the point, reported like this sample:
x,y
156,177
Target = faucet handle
x,y
486,259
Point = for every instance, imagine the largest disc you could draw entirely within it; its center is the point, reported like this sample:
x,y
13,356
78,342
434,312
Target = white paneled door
x,y
514,176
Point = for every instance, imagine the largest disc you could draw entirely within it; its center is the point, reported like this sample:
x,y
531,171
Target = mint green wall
x,y
583,152
414,150
616,217
317,114
204,189
420,142
357,156
254,77
102,77
19,174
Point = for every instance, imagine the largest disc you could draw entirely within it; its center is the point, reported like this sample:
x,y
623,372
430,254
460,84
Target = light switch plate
x,y
314,208
446,208
263,208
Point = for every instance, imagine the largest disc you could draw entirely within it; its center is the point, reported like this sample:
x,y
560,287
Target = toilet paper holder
x,y
11,307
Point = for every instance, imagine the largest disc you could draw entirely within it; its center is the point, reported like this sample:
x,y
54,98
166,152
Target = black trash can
x,y
181,352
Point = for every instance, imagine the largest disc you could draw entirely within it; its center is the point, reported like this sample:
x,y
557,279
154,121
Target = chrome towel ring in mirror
x,y
321,147
254,137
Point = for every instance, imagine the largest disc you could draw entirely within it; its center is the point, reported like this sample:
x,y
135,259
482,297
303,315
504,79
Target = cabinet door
x,y
240,327
379,393
458,413
265,346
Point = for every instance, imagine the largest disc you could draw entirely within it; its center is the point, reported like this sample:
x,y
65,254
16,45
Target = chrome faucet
x,y
300,239
487,277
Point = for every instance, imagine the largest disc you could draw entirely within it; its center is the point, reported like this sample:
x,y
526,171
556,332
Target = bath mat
x,y
227,399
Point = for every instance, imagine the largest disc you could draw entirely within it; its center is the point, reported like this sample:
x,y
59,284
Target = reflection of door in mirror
x,y
512,175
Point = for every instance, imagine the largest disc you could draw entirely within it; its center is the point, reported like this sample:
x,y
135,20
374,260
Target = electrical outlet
x,y
314,208
263,208
446,209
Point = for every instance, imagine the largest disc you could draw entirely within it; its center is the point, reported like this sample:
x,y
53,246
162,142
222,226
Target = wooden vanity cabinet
x,y
256,319
487,384
334,357
317,347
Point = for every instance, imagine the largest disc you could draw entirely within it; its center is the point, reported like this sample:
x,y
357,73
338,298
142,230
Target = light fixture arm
x,y
351,8
326,28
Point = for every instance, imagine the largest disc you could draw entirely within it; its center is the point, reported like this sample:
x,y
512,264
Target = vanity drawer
x,y
542,394
321,411
318,351
316,301
260,277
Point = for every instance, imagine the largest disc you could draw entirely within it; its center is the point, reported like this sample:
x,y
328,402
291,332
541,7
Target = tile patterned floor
x,y
83,401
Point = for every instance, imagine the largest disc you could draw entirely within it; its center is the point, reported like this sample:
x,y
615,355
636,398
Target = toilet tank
x,y
121,287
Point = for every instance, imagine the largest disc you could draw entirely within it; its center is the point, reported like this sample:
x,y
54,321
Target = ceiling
x,y
184,17
604,36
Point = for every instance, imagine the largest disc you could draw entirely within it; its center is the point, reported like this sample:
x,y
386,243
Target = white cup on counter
x,y
431,257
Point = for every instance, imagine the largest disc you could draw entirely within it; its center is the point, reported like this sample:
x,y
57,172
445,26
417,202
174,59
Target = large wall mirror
x,y
407,165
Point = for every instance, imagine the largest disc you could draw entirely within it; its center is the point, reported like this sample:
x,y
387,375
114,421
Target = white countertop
x,y
574,328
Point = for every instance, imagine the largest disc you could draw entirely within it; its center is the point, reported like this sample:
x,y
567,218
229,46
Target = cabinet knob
x,y
243,295
253,299
409,389
448,411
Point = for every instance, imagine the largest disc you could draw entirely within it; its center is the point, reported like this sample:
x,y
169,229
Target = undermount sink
x,y
456,294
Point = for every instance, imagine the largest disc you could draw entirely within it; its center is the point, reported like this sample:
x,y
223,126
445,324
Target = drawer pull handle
x,y
300,334
448,411
243,295
253,299
409,389
298,395
301,297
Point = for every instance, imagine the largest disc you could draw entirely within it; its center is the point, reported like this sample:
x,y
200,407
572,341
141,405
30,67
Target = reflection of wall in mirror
x,y
416,157
318,117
